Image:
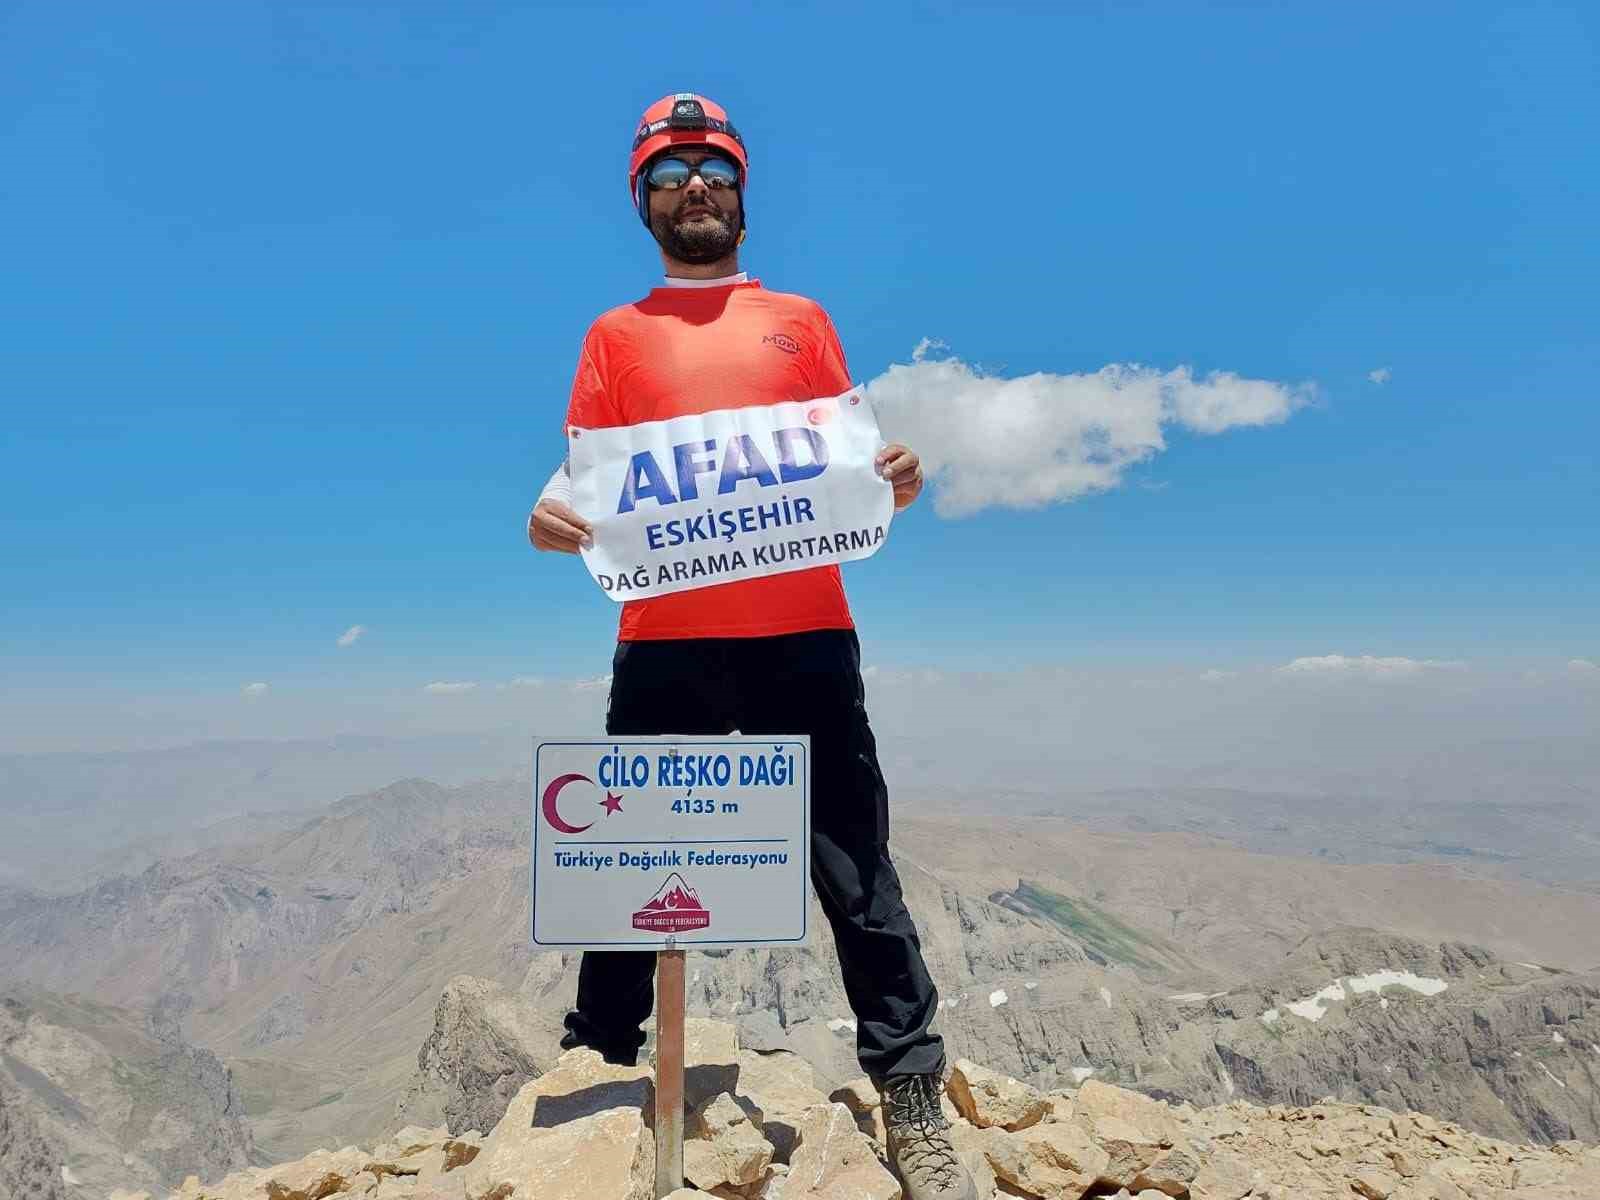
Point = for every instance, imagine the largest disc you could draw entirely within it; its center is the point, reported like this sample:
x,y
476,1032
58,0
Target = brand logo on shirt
x,y
782,341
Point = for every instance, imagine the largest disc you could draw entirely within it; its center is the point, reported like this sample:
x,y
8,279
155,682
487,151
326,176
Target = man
x,y
772,655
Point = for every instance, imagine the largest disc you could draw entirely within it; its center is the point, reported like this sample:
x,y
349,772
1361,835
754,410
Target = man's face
x,y
695,223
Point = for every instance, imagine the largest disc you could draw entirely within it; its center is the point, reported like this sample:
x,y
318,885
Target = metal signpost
x,y
666,844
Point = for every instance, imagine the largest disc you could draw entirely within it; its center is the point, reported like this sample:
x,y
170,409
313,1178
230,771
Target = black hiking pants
x,y
790,683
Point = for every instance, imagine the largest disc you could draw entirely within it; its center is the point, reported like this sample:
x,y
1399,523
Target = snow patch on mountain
x,y
1379,980
1314,1006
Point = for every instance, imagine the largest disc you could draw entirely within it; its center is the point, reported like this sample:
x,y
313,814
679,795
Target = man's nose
x,y
696,184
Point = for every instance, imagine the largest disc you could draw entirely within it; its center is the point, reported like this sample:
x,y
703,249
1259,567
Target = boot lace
x,y
912,1109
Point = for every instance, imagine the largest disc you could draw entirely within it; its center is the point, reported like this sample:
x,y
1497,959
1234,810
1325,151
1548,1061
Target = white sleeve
x,y
560,486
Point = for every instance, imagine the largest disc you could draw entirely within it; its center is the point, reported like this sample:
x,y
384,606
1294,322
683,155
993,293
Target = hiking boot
x,y
920,1153
618,1055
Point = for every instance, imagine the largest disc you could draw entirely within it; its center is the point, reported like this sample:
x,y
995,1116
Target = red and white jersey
x,y
696,348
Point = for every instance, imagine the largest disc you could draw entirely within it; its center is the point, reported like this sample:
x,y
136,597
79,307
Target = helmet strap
x,y
642,202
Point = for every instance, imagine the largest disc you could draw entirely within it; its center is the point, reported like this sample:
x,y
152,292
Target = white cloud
x,y
591,685
352,635
1367,665
1381,375
1040,439
254,689
1582,665
441,688
526,681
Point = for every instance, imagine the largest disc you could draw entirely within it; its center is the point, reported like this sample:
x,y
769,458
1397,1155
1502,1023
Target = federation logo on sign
x,y
675,908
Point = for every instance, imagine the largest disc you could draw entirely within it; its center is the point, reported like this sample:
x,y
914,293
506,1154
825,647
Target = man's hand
x,y
903,469
555,526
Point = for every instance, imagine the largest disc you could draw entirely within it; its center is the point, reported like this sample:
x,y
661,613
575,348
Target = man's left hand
x,y
903,469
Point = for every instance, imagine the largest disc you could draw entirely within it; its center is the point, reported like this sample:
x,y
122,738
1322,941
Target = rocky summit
x,y
759,1128
299,972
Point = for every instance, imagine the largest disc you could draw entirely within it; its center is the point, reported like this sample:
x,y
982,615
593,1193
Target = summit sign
x,y
670,842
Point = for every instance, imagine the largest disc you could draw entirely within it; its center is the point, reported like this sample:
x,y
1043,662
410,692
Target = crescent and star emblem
x,y
612,803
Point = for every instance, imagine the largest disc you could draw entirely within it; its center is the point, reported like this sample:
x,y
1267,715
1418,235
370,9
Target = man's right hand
x,y
555,526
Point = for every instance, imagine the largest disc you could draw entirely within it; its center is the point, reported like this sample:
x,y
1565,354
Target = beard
x,y
702,240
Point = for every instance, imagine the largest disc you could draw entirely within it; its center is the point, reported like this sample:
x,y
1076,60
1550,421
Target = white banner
x,y
732,494
646,843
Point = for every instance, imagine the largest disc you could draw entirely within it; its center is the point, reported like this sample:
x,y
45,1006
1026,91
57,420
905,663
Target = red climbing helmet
x,y
684,119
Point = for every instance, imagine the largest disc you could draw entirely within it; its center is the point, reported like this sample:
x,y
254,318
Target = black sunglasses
x,y
670,174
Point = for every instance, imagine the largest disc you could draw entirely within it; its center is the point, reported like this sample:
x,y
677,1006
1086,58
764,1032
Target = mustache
x,y
709,206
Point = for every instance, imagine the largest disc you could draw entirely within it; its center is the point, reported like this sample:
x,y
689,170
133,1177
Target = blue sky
x,y
293,293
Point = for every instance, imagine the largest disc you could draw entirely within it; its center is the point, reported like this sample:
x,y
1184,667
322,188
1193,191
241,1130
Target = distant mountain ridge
x,y
314,959
113,1096
73,816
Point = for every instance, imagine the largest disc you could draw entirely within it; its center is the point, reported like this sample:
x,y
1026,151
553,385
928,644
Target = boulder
x,y
770,1186
1228,1175
724,1147
1374,1183
988,1098
1434,1186
236,1185
833,1160
783,1087
398,1187
320,1173
568,1103
610,1154
410,1139
1130,1150
1046,1161
710,1060
1096,1099
1171,1173
458,1152
581,1085
421,1163
865,1105
1062,1105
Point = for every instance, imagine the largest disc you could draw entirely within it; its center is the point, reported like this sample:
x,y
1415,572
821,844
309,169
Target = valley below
x,y
301,984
